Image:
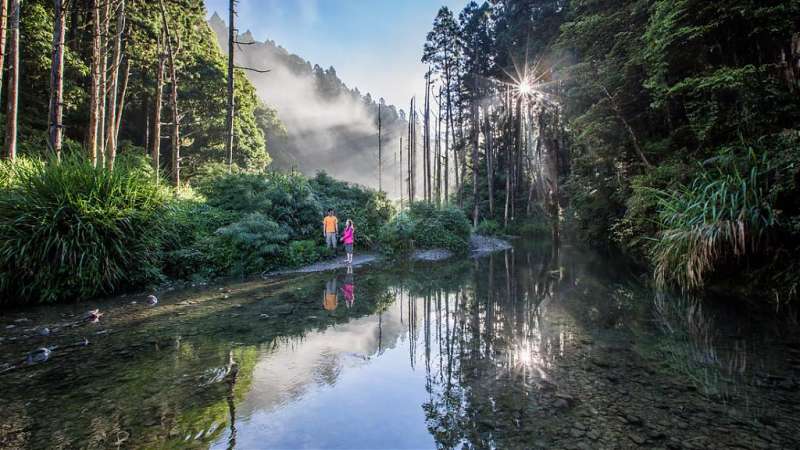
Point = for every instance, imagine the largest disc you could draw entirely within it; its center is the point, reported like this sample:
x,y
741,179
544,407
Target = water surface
x,y
535,347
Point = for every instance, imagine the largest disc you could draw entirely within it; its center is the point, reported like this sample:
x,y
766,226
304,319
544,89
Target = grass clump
x,y
722,214
71,230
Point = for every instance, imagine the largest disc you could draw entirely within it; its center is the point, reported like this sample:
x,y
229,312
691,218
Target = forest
x,y
663,130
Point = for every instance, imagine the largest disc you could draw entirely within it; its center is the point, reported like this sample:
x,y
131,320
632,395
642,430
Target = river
x,y
534,347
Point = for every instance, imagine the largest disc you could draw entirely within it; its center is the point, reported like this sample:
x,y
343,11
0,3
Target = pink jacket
x,y
348,236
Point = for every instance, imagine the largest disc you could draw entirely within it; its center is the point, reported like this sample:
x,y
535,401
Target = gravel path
x,y
322,266
481,245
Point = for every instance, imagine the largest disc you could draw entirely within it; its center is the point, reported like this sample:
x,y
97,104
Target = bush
x,y
256,244
369,210
287,200
300,253
489,227
426,227
71,230
721,215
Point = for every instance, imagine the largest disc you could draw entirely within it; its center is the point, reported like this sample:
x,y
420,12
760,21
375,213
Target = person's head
x,y
349,223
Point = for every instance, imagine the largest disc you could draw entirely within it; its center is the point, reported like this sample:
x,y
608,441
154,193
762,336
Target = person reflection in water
x,y
349,288
330,300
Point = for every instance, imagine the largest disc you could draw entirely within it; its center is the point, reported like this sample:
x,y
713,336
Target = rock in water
x,y
152,300
39,355
93,316
44,331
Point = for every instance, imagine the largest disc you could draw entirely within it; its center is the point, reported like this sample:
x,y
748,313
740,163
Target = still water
x,y
535,347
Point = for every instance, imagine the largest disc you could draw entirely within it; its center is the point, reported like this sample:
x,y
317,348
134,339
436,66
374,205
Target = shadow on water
x,y
538,346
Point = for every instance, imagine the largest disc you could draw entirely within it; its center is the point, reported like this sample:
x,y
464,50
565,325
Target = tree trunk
x,y
94,94
155,152
101,132
121,108
439,150
3,29
427,144
13,81
401,172
173,74
380,152
487,133
55,125
111,129
508,144
475,138
231,104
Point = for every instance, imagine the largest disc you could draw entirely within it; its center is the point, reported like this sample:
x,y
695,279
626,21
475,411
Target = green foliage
x,y
368,209
424,226
489,227
300,253
72,231
256,243
722,214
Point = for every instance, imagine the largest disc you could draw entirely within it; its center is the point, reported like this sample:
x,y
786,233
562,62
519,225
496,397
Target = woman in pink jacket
x,y
348,238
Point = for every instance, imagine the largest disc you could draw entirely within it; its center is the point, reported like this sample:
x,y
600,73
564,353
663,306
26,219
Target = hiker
x,y
330,228
348,238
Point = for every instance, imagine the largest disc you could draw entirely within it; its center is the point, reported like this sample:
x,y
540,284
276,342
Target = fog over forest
x,y
328,126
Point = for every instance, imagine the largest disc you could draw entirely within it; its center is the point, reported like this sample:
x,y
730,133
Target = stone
x,y
637,438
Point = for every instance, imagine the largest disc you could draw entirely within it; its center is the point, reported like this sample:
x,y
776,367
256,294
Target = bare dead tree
x,y
13,81
380,152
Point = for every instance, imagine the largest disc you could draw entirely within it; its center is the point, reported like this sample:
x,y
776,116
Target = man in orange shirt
x,y
330,228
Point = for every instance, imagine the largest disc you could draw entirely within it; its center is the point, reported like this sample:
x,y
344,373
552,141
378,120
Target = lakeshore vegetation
x,y
667,130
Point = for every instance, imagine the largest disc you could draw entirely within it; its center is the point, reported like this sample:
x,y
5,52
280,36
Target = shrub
x,y
71,230
287,200
489,227
369,210
425,226
397,235
722,214
255,242
299,253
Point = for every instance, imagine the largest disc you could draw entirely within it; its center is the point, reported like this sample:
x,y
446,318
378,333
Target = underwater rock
x,y
39,355
92,316
44,331
152,300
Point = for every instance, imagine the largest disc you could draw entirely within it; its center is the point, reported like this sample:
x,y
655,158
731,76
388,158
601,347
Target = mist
x,y
335,133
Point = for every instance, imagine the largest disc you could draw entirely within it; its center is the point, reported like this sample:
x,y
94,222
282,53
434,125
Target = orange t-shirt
x,y
330,302
330,223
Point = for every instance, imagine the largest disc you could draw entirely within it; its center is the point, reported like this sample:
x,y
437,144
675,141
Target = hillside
x,y
326,125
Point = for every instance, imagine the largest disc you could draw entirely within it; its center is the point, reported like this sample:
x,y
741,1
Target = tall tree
x,y
158,99
173,75
230,98
380,152
3,29
113,100
13,81
94,93
55,115
442,52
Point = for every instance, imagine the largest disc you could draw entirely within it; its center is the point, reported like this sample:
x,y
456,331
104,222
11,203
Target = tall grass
x,y
722,214
71,230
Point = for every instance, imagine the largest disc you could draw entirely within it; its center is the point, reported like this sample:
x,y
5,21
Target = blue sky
x,y
373,44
